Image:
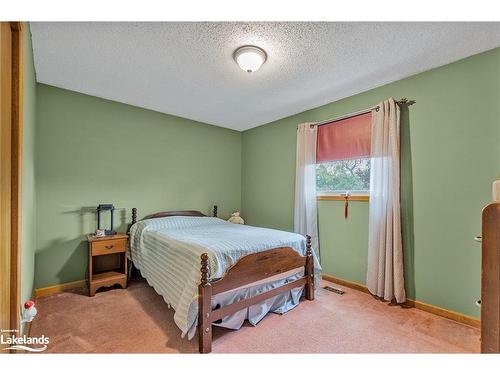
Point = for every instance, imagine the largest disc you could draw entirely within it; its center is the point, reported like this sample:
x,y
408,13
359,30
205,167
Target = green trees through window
x,y
351,175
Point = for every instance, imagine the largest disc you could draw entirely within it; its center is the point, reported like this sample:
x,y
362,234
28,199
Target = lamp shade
x,y
250,58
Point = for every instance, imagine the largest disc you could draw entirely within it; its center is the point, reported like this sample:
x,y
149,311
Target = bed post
x,y
309,270
215,210
134,215
134,219
205,308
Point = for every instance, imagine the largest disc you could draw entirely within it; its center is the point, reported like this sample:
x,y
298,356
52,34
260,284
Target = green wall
x,y
450,156
343,242
28,179
91,151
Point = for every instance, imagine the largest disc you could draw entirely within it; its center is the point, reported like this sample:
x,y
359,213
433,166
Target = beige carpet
x,y
137,320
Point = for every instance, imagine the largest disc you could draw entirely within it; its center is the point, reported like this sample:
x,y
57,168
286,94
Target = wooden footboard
x,y
249,269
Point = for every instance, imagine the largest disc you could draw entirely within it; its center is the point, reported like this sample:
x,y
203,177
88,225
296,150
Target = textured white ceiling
x,y
186,69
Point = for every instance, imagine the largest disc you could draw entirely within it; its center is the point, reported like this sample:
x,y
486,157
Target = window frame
x,y
362,196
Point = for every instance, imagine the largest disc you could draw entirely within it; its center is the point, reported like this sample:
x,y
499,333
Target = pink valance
x,y
344,139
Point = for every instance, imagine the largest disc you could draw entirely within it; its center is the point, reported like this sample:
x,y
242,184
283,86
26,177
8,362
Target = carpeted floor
x,y
137,320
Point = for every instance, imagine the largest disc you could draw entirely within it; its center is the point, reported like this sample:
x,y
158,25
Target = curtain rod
x,y
359,113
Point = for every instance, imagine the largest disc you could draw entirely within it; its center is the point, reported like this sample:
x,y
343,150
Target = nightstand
x,y
107,261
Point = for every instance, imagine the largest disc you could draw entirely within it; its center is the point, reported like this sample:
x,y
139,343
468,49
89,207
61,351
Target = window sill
x,y
360,198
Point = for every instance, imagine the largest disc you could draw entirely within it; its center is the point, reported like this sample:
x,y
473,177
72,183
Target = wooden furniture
x,y
171,213
490,279
248,269
107,261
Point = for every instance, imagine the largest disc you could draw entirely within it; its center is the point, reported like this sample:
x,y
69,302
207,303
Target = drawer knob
x,y
109,246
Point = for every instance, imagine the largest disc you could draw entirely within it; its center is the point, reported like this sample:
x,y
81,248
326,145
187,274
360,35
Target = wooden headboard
x,y
171,213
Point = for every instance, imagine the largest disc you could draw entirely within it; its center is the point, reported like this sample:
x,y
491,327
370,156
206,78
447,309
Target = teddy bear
x,y
236,218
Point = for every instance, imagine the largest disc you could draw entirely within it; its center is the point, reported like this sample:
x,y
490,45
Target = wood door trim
x,y
17,30
5,174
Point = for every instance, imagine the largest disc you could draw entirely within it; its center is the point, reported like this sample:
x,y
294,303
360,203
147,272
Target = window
x,y
343,157
339,176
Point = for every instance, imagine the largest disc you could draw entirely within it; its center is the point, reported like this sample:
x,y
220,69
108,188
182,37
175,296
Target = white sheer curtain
x,y
305,213
385,250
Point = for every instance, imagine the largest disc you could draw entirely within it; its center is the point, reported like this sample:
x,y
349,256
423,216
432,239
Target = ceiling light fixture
x,y
250,58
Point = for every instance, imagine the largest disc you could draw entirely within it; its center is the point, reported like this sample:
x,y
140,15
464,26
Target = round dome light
x,y
250,58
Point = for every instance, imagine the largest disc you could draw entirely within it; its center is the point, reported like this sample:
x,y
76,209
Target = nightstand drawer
x,y
110,246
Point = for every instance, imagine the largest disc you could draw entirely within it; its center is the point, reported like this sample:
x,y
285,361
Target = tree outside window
x,y
342,176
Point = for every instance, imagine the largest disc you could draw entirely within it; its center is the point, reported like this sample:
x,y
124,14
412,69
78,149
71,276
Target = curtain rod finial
x,y
405,101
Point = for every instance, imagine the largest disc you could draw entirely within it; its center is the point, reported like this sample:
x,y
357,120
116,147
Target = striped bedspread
x,y
167,252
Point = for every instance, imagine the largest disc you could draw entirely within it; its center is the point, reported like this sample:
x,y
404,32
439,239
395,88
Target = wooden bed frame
x,y
248,269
